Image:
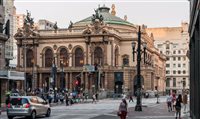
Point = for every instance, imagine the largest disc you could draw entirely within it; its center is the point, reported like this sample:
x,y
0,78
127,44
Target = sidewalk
x,y
153,111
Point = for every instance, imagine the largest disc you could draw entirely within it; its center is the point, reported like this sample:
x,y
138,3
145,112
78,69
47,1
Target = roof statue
x,y
55,26
70,25
97,16
113,12
28,20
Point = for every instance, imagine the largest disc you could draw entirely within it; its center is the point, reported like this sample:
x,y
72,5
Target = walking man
x,y
169,102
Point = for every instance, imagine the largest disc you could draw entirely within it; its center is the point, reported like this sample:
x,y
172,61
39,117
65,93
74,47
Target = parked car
x,y
29,106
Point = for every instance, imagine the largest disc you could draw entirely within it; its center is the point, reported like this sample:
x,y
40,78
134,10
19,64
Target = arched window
x,y
98,56
64,57
29,58
79,57
48,58
125,60
116,56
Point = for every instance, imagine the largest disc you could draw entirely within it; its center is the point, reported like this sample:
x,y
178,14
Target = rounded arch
x,y
116,53
98,56
63,56
78,56
29,58
48,57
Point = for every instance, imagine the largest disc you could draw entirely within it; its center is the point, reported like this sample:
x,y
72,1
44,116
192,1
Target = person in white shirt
x,y
169,102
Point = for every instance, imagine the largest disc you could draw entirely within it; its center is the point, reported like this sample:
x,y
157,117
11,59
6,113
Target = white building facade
x,y
173,42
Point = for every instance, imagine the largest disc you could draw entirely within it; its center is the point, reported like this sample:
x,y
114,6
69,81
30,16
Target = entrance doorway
x,y
118,87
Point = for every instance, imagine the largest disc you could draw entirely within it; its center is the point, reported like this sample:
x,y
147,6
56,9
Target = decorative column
x,y
66,81
86,82
70,81
40,80
106,81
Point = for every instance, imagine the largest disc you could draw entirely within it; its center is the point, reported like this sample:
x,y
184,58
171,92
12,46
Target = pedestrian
x,y
169,102
178,106
123,109
131,98
94,98
97,96
185,100
173,101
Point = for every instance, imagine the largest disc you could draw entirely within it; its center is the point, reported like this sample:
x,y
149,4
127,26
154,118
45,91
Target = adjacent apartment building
x,y
174,43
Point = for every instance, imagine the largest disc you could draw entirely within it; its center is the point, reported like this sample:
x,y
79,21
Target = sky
x,y
153,13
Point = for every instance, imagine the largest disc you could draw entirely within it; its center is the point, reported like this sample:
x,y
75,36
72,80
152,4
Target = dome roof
x,y
107,18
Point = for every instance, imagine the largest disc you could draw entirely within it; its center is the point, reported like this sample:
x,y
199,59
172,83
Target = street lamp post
x,y
138,106
54,72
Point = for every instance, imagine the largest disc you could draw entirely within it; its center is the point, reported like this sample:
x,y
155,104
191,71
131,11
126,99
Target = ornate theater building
x,y
93,54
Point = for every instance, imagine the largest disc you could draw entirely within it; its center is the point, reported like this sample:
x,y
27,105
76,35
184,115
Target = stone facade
x,y
103,40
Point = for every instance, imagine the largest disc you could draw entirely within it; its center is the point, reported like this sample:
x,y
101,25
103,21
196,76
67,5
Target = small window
x,y
184,58
184,65
174,58
174,52
179,72
174,72
179,65
179,52
167,65
184,72
167,58
174,82
159,45
179,58
167,72
174,65
167,46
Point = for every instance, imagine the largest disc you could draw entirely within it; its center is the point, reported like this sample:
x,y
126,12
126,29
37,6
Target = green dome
x,y
107,18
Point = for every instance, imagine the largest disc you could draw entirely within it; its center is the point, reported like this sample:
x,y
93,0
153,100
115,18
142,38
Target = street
x,y
107,108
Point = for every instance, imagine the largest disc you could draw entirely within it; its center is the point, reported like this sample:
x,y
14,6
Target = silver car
x,y
29,106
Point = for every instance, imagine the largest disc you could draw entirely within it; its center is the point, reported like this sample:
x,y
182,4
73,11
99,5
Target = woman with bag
x,y
123,109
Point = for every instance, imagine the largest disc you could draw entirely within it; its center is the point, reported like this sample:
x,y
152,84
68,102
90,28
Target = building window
x,y
168,82
179,72
179,65
125,60
174,65
29,58
167,72
48,58
79,57
167,46
184,65
98,56
167,65
64,58
179,58
184,58
174,58
179,52
174,82
116,56
184,72
167,58
159,45
174,72
184,82
174,52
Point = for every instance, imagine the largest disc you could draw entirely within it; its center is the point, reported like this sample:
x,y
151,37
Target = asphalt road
x,y
104,109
